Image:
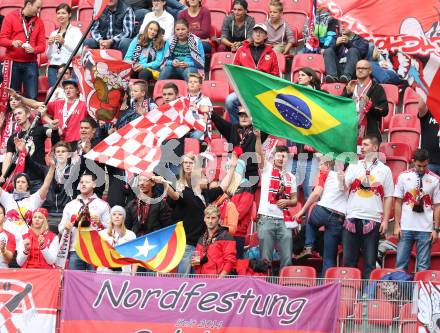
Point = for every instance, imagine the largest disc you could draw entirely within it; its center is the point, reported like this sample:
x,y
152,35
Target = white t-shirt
x,y
363,203
266,208
166,22
113,241
406,189
332,197
97,207
16,210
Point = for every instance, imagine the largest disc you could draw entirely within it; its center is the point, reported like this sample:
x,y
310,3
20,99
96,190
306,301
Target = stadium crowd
x,y
338,206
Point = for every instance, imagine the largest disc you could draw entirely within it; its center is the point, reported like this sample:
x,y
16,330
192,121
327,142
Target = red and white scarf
x,y
19,168
279,188
362,108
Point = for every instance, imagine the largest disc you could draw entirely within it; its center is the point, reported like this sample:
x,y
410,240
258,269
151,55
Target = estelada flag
x,y
409,28
103,79
160,251
98,7
136,147
327,123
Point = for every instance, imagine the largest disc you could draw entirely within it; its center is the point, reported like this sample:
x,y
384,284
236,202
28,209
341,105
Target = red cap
x,y
42,211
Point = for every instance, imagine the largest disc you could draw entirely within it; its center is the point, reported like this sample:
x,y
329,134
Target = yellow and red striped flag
x,y
160,251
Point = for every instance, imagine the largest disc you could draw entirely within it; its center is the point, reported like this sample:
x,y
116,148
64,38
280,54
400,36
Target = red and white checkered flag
x,y
136,147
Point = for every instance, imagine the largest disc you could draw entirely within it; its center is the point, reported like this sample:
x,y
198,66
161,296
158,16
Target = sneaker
x,y
345,79
306,253
330,79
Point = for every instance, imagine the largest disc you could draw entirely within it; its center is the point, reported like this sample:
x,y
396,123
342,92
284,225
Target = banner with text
x,y
29,300
134,304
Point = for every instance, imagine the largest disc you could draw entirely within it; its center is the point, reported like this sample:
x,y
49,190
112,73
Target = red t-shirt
x,y
55,110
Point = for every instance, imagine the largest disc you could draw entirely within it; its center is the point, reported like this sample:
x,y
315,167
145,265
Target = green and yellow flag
x,y
327,123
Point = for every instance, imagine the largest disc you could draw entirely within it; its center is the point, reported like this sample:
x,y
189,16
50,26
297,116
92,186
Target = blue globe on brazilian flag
x,y
327,123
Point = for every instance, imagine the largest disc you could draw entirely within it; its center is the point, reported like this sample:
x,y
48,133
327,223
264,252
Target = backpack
x,y
393,286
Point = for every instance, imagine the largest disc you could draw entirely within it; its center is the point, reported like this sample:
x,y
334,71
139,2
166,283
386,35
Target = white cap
x,y
261,26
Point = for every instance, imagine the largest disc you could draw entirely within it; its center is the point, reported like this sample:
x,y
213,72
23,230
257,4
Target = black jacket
x,y
231,134
377,95
159,216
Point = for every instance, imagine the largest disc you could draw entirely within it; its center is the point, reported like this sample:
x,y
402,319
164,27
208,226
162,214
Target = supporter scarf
x,y
143,210
4,95
279,189
362,108
8,130
20,195
19,168
150,52
193,49
367,226
63,250
244,132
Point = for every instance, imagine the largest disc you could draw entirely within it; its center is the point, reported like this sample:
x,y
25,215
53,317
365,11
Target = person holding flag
x,y
87,207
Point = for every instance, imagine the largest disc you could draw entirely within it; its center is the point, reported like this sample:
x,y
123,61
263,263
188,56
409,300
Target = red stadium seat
x,y
7,6
192,146
392,93
379,273
217,17
258,6
297,276
380,312
350,279
48,8
296,20
181,84
82,25
221,5
43,87
408,320
216,71
297,5
410,101
396,150
390,258
426,276
258,16
281,63
217,91
84,12
314,61
333,88
405,128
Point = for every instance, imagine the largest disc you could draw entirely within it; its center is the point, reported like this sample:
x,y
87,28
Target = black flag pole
x,y
60,77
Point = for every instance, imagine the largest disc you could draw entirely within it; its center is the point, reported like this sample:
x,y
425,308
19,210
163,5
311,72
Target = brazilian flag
x,y
325,122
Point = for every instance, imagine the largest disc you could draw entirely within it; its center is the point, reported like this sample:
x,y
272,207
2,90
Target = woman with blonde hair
x,y
39,246
117,234
146,52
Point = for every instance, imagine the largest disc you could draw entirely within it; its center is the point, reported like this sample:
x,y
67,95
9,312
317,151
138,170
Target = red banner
x,y
29,300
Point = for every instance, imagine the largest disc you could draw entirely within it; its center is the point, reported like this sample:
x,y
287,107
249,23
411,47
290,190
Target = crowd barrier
x,y
71,301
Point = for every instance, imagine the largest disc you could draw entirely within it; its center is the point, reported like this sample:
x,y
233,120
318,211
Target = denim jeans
x,y
320,216
272,231
305,171
352,243
382,75
185,266
423,247
25,74
52,75
77,264
122,45
434,168
174,7
231,105
171,73
334,68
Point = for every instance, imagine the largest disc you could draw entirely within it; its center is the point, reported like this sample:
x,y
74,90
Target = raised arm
x,y
228,178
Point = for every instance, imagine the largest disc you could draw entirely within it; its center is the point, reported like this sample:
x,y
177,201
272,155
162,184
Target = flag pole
x,y
60,77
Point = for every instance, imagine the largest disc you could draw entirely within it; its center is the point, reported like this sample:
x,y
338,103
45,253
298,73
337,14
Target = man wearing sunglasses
x,y
371,101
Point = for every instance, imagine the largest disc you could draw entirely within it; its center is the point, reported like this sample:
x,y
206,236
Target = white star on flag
x,y
144,249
